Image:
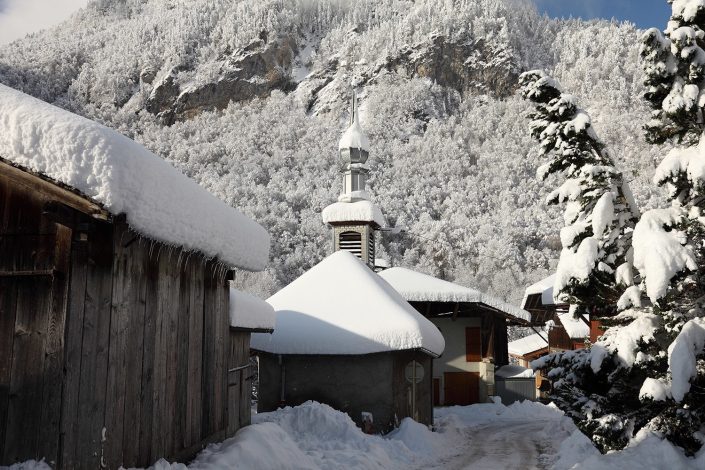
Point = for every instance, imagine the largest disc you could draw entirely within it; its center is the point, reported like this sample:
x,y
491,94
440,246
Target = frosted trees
x,y
599,209
669,243
595,387
649,374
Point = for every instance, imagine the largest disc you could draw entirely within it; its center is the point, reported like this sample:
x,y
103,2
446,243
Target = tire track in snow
x,y
525,445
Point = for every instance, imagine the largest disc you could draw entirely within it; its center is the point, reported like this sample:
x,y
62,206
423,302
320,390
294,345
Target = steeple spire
x,y
354,151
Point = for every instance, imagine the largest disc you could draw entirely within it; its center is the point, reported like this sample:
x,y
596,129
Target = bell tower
x,y
354,218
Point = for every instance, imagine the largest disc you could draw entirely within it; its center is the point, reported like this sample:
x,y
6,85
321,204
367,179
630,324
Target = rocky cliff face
x,y
469,67
252,72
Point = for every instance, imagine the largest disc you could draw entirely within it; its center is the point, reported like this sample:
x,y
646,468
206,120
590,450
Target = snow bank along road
x,y
487,436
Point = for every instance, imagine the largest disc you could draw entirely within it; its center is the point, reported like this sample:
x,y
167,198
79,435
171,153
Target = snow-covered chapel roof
x,y
341,307
359,211
418,287
124,177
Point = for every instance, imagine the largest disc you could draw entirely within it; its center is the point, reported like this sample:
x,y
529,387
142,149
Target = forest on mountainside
x,y
250,98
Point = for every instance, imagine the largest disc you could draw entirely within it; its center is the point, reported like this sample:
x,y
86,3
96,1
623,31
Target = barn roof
x,y
249,312
418,287
528,344
341,307
125,178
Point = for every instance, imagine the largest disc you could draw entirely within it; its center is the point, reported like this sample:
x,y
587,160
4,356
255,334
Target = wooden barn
x,y
116,346
345,337
474,326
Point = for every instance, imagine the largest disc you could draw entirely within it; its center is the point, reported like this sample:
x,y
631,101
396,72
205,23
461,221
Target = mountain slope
x,y
250,97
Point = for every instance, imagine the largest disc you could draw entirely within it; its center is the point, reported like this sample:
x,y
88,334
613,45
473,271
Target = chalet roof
x,y
341,307
575,327
360,211
125,178
418,287
249,312
543,287
528,344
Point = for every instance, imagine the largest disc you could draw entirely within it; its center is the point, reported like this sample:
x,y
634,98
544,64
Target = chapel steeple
x,y
354,218
354,148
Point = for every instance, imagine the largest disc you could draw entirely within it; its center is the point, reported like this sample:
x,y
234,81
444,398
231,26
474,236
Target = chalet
x,y
566,332
120,340
344,337
474,326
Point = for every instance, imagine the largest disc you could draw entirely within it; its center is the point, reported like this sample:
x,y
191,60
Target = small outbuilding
x,y
116,346
526,349
474,326
345,337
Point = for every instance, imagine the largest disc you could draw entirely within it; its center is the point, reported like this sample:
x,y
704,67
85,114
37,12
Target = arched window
x,y
352,242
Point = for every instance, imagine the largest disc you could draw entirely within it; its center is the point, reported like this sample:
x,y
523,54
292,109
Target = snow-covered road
x,y
526,436
521,445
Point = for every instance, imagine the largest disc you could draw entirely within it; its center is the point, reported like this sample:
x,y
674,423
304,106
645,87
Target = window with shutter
x,y
473,344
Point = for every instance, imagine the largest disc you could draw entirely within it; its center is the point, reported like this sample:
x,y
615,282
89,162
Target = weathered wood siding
x,y
114,349
33,283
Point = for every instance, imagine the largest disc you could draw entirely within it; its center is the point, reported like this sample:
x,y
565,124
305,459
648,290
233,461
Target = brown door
x,y
461,388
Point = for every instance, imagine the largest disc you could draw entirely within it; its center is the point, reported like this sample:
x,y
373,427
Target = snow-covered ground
x,y
487,436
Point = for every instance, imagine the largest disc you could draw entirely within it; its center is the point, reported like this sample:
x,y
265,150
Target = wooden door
x,y
461,388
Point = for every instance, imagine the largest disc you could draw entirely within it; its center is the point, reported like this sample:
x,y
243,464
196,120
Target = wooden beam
x,y
455,311
585,320
38,184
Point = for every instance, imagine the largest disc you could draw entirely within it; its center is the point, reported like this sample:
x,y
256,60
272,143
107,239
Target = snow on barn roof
x,y
360,211
575,327
124,177
528,344
342,307
543,287
419,287
249,312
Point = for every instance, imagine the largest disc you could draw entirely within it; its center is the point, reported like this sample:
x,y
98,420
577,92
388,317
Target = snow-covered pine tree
x,y
595,387
600,213
669,244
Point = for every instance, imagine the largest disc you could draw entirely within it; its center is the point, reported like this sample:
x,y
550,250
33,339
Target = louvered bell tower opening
x,y
371,247
352,242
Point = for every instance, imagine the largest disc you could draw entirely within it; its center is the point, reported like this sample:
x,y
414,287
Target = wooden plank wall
x,y
33,283
117,352
161,355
